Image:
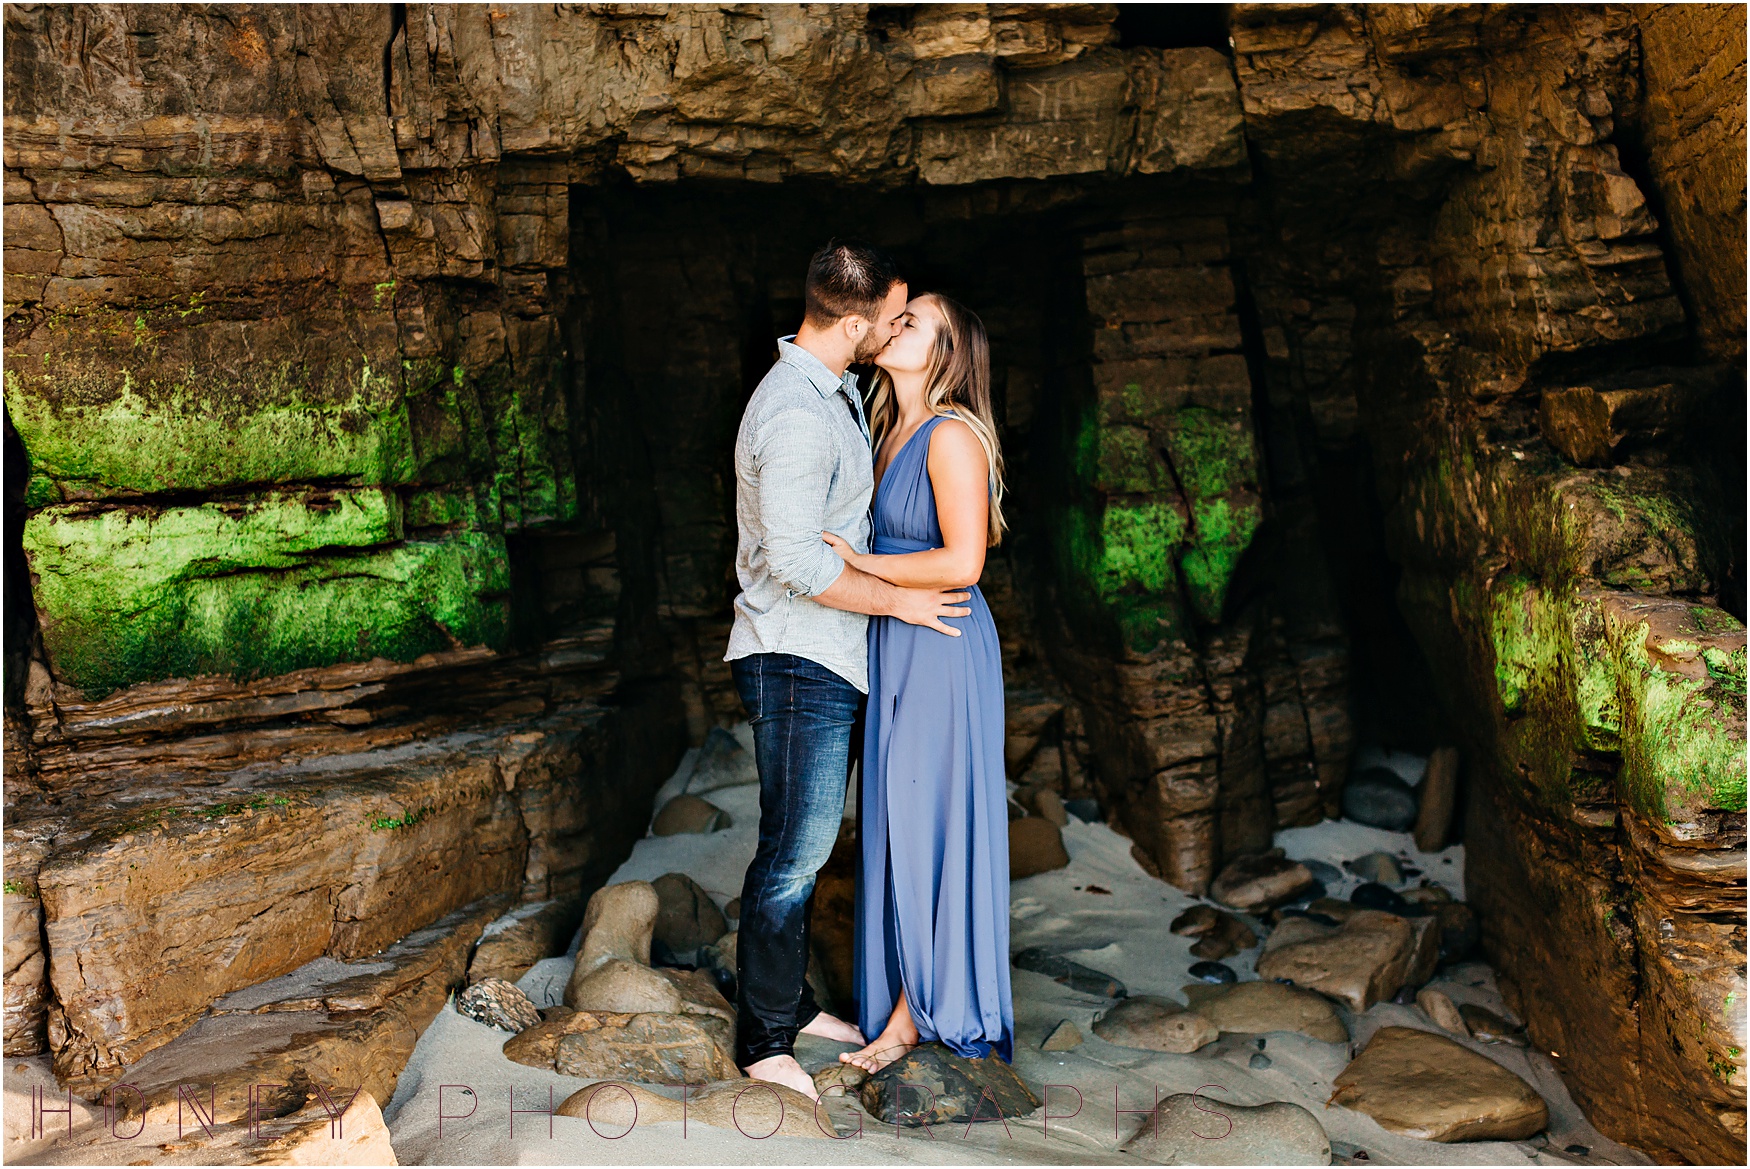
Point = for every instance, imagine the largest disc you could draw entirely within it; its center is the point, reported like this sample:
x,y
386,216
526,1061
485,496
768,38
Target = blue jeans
x,y
805,719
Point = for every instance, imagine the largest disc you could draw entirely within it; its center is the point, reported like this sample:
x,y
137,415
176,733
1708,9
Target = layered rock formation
x,y
371,374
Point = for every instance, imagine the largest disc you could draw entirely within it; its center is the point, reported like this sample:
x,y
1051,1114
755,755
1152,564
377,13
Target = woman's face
x,y
909,351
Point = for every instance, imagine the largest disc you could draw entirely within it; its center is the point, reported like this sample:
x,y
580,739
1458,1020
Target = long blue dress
x,y
933,900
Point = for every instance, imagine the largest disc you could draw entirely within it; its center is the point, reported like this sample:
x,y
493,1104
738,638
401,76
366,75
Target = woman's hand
x,y
846,553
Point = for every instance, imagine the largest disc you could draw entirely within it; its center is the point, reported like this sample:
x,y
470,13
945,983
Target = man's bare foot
x,y
832,1027
881,1051
783,1069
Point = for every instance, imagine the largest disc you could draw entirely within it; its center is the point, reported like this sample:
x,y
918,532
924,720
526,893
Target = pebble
x,y
499,1004
1084,808
1035,846
1155,1024
1379,867
1373,895
1488,1027
687,814
1324,871
1213,972
1259,1061
1378,798
1438,1006
1260,881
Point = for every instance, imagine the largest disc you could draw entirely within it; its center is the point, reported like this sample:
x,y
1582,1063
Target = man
x,y
798,648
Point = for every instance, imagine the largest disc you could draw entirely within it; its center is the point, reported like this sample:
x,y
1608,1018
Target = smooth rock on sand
x,y
1439,794
1487,1027
1050,807
1192,1129
1035,846
1218,933
756,1109
689,814
1380,867
1438,1006
1252,1008
1084,979
1422,1085
1362,962
1063,1037
686,917
1261,881
622,986
1152,1023
1378,797
931,1085
499,1004
617,923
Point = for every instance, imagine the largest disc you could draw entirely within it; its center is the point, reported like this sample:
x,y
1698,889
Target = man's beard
x,y
868,348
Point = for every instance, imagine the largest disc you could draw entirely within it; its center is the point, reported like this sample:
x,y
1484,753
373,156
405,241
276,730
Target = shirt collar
x,y
812,367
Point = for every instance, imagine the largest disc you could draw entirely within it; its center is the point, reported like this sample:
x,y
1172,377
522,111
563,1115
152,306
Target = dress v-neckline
x,y
888,469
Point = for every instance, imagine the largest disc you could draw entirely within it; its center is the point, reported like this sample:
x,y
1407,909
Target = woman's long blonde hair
x,y
958,379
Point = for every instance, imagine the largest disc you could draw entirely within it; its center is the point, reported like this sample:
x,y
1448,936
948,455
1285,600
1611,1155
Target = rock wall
x,y
375,369
1487,269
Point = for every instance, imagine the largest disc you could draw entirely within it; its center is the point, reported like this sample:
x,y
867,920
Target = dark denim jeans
x,y
805,721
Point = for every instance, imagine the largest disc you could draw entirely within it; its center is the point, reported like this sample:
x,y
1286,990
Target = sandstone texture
x,y
1197,1130
1422,1085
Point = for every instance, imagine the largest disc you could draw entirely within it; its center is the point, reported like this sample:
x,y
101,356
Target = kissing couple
x,y
862,536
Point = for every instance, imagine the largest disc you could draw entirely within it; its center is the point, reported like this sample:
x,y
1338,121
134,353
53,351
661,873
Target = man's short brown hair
x,y
846,278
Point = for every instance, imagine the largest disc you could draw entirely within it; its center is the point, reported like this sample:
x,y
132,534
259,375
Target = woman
x,y
932,919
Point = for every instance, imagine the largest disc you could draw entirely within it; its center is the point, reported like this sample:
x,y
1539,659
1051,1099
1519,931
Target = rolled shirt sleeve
x,y
794,456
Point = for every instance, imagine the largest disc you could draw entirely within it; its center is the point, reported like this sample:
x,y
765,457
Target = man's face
x,y
889,321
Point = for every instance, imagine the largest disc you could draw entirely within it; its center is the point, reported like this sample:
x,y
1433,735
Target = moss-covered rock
x,y
255,587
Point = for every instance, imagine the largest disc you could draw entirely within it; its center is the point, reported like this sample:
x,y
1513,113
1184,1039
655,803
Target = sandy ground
x,y
1102,908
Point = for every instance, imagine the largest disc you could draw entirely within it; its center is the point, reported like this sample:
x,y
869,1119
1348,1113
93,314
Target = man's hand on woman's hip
x,y
929,606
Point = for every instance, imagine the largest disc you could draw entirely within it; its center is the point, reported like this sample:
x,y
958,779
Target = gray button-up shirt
x,y
802,467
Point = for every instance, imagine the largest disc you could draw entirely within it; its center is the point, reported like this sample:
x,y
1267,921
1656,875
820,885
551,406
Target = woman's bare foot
x,y
783,1069
898,1037
832,1027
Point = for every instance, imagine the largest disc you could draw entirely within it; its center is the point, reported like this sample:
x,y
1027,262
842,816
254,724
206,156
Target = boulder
x,y
1050,807
1256,1007
723,762
621,986
1377,867
1438,797
687,813
930,1084
1261,881
1378,797
656,1048
1192,1129
1035,846
1422,1085
1154,1024
686,917
1362,962
618,923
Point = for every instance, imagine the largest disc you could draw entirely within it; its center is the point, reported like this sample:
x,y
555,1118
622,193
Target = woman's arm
x,y
960,478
